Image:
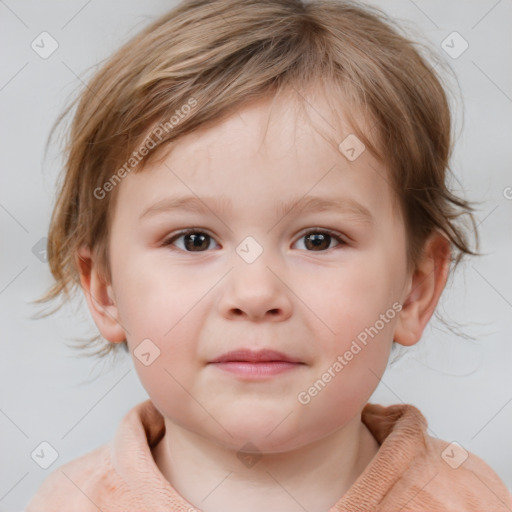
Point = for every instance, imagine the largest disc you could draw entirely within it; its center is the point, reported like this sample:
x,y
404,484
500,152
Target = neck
x,y
313,477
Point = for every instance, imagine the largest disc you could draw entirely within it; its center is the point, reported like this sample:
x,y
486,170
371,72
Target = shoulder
x,y
422,472
463,473
450,478
77,482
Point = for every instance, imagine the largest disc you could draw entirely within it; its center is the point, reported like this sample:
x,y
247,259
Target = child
x,y
258,131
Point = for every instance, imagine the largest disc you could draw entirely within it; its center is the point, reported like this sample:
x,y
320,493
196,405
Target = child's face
x,y
309,301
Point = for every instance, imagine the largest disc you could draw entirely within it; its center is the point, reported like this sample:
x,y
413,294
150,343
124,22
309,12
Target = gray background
x,y
47,393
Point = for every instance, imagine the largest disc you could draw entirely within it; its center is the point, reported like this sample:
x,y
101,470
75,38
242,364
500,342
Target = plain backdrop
x,y
48,394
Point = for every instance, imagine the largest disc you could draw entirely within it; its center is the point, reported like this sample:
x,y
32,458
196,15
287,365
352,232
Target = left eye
x,y
199,241
318,240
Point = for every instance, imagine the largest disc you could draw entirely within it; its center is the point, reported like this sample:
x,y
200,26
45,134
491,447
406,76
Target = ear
x,y
100,297
425,288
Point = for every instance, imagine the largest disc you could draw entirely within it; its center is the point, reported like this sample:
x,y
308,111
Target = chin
x,y
265,433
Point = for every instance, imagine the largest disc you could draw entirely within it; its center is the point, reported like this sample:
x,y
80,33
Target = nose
x,y
256,292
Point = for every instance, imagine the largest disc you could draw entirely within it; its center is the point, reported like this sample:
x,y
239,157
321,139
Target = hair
x,y
202,61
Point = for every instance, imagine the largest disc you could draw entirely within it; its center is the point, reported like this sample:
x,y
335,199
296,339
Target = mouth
x,y
256,365
260,356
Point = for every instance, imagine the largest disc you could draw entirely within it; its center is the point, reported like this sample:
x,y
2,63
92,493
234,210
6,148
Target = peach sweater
x,y
412,471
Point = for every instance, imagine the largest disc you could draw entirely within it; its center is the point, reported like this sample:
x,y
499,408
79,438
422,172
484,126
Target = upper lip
x,y
251,356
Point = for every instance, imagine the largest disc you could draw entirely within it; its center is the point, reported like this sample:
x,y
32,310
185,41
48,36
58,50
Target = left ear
x,y
425,288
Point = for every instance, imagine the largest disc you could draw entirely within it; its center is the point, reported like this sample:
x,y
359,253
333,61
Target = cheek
x,y
153,301
343,384
170,388
160,317
355,296
358,317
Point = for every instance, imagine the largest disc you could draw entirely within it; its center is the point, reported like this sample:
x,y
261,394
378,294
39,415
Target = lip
x,y
254,371
258,357
251,365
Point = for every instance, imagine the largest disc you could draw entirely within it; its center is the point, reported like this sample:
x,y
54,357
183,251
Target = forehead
x,y
264,152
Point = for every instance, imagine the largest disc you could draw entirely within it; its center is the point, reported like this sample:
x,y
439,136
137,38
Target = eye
x,y
320,239
193,240
316,240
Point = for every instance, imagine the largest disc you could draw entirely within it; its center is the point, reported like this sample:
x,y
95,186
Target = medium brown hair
x,y
203,60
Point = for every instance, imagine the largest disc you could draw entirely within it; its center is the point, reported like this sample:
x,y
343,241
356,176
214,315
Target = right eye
x,y
193,240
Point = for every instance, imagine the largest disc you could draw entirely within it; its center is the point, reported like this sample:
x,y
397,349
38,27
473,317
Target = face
x,y
264,266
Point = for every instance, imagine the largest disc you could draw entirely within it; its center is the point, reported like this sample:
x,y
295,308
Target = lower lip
x,y
257,370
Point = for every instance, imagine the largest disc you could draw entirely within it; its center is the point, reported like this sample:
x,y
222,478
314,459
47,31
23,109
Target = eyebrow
x,y
223,205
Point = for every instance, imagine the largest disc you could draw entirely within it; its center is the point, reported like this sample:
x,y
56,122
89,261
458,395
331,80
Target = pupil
x,y
317,239
196,240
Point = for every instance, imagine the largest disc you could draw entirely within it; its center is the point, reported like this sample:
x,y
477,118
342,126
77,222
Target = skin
x,y
308,303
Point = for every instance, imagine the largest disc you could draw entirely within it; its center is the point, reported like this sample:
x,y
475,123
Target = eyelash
x,y
169,241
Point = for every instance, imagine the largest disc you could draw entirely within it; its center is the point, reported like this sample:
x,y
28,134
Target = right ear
x,y
100,297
